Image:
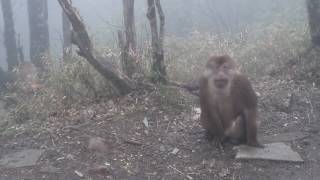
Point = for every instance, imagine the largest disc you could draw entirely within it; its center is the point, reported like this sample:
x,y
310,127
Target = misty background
x,y
104,17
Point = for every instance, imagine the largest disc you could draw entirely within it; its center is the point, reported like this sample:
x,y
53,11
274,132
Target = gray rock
x,y
24,158
274,151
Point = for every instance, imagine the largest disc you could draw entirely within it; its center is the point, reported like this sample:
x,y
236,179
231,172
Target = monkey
x,y
228,103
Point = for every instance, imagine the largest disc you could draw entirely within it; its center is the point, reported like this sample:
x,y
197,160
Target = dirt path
x,y
157,136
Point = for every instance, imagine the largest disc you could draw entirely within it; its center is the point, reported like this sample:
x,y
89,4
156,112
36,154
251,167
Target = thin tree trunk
x,y
81,38
129,23
313,7
158,67
67,44
39,33
20,51
9,35
128,44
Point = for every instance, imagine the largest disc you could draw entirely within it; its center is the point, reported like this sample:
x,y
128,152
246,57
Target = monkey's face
x,y
221,73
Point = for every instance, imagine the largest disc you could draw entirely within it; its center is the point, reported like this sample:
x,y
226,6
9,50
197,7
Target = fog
x,y
142,99
104,17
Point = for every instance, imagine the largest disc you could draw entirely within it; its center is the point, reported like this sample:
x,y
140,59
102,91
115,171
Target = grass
x,y
260,50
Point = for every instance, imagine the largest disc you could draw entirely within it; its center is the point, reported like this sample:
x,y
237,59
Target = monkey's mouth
x,y
221,83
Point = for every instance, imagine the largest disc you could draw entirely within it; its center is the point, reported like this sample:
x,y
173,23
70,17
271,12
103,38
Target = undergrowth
x,y
260,51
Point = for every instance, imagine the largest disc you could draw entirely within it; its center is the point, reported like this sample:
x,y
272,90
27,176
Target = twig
x,y
187,176
311,109
133,142
168,127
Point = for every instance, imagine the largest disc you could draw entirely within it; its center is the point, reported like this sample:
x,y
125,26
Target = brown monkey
x,y
228,102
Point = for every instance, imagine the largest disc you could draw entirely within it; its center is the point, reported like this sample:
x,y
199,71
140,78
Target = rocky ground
x,y
157,135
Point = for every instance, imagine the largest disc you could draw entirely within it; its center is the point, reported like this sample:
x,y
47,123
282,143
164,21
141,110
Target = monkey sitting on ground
x,y
228,103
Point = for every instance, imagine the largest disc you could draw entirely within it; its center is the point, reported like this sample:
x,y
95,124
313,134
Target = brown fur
x,y
228,102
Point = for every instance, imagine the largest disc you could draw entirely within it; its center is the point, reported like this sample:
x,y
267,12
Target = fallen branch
x,y
192,87
81,38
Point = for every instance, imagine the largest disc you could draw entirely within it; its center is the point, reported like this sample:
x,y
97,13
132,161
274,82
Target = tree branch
x,y
81,38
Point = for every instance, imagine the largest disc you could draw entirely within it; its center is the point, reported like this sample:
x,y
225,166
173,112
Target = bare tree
x,y
81,38
157,36
129,23
314,20
9,35
128,44
67,44
39,32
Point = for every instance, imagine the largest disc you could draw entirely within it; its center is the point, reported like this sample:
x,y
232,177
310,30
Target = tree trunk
x,y
67,44
158,67
39,32
314,20
20,50
81,38
129,24
128,43
9,35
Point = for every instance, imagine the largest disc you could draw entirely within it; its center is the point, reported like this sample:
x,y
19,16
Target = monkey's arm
x,y
251,127
250,101
209,117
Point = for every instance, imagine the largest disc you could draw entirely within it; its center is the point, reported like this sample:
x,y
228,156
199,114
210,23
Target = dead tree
x,y
67,44
81,39
313,7
9,35
129,24
128,43
157,36
39,32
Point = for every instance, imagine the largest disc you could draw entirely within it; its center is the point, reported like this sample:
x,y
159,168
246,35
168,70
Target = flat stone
x,y
285,137
24,158
274,151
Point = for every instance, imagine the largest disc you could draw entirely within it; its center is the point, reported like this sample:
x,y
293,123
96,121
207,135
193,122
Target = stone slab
x,y
284,137
274,151
24,158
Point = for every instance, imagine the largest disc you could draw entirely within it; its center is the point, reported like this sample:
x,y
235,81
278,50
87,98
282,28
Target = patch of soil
x,y
152,136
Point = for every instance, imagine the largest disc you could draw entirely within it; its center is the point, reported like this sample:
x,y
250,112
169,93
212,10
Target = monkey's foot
x,y
209,136
255,144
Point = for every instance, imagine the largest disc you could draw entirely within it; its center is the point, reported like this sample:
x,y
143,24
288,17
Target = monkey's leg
x,y
236,133
216,127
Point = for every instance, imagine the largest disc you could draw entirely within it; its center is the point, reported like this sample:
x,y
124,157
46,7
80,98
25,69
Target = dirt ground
x,y
157,135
